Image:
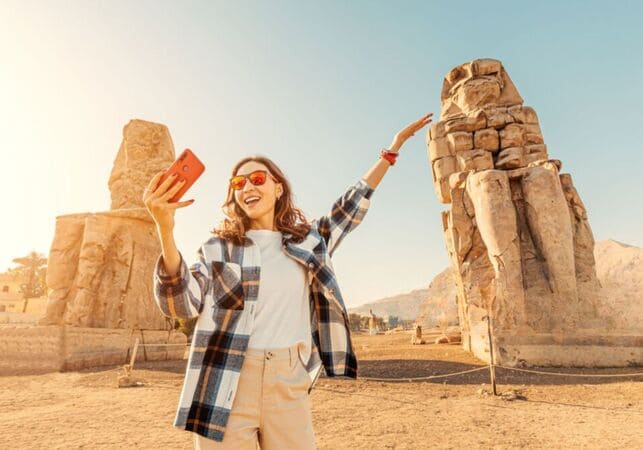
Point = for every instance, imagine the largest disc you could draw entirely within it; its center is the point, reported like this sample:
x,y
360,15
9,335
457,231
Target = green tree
x,y
354,321
33,268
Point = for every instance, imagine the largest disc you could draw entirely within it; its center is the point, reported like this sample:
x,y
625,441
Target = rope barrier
x,y
636,374
430,377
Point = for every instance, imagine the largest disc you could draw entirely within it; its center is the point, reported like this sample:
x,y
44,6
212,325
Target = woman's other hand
x,y
409,131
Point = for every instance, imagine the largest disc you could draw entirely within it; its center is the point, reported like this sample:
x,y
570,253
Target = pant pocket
x,y
303,372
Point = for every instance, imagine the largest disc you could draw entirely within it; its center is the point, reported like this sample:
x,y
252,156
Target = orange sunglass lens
x,y
257,178
238,182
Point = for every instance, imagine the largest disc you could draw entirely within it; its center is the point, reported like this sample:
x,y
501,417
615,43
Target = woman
x,y
270,312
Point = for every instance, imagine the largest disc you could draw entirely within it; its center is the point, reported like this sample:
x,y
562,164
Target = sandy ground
x,y
85,409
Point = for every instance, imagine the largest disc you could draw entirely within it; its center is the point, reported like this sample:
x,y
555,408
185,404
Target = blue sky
x,y
319,87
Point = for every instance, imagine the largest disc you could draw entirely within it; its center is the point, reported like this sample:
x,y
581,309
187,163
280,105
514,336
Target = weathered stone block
x,y
486,139
511,158
523,114
459,141
438,148
468,124
511,136
485,67
531,138
457,180
476,159
437,130
535,152
497,117
442,168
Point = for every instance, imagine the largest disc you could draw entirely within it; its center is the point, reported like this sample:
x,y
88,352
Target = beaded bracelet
x,y
388,155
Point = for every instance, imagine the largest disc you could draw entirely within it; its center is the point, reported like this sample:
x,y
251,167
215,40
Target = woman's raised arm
x,y
179,290
350,208
375,174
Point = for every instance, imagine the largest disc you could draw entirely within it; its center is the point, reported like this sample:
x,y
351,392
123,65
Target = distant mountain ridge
x,y
619,268
405,306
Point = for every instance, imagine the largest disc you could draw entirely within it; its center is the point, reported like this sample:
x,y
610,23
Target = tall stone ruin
x,y
99,275
99,268
517,232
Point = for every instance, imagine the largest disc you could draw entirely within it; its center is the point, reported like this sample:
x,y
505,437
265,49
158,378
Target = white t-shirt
x,y
282,313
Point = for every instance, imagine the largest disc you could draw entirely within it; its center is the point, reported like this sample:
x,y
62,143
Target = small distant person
x,y
371,324
417,338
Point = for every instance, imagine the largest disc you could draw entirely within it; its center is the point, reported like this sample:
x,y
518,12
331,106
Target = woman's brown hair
x,y
288,219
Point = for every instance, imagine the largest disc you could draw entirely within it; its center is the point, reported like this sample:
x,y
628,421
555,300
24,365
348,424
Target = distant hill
x,y
619,268
427,302
440,305
405,306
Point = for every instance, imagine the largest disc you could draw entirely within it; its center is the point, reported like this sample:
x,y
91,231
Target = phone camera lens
x,y
185,168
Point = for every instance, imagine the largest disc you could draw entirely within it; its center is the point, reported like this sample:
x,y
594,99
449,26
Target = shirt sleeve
x,y
346,213
181,295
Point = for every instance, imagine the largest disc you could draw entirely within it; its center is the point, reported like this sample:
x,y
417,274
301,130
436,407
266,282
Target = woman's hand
x,y
409,131
156,199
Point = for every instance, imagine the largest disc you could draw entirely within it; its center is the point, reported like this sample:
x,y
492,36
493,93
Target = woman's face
x,y
266,193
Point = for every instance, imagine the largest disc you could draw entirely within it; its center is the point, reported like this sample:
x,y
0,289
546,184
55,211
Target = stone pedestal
x,y
42,349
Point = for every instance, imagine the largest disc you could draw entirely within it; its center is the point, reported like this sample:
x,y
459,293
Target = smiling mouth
x,y
251,201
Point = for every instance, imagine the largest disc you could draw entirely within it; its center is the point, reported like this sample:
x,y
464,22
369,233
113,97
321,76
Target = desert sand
x,y
85,409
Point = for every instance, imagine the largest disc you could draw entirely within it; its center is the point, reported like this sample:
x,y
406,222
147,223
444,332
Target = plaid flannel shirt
x,y
221,287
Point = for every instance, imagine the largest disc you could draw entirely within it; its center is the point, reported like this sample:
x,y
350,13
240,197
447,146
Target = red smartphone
x,y
186,167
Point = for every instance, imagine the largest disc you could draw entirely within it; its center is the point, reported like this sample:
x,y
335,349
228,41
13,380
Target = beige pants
x,y
271,408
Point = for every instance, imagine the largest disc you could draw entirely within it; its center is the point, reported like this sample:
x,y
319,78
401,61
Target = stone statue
x,y
517,232
100,264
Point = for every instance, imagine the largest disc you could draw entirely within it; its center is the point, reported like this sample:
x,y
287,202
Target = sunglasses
x,y
257,178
